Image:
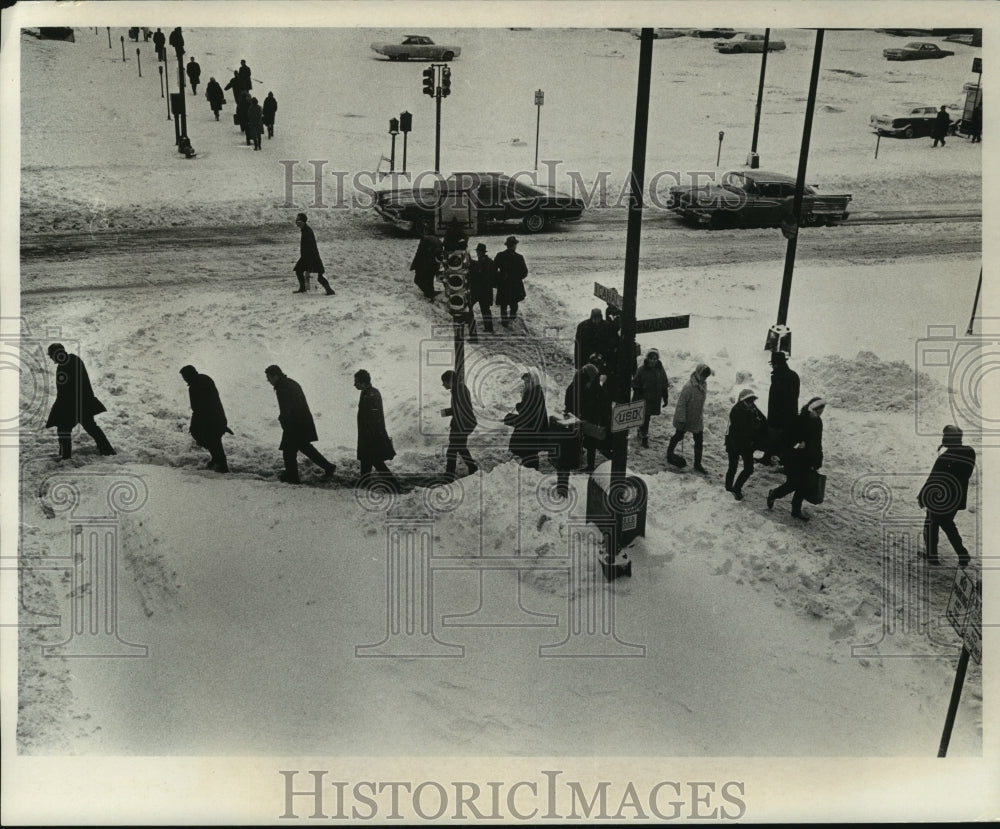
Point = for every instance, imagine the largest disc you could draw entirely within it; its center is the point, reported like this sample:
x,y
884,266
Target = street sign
x,y
965,607
662,324
609,295
626,415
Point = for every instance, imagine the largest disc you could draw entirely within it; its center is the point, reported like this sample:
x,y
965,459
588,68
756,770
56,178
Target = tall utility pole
x,y
800,179
612,567
753,161
539,100
437,84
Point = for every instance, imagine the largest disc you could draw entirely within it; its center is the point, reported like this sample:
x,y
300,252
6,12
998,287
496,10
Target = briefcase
x,y
815,487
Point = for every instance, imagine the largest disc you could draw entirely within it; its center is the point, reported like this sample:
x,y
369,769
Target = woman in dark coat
x,y
946,492
588,400
530,421
746,423
374,445
216,97
804,456
75,403
255,123
650,384
270,107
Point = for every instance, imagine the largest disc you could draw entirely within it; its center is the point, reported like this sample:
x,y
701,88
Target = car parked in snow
x,y
748,43
712,33
417,47
918,50
754,198
908,120
496,197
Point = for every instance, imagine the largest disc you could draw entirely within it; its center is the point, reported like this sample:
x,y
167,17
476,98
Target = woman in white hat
x,y
746,423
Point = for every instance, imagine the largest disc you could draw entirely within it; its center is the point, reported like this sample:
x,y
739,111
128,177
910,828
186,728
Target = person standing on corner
x,y
941,123
530,422
804,456
270,107
426,263
298,430
463,423
782,405
193,70
374,444
746,423
309,259
945,493
511,271
688,416
208,417
216,97
589,340
650,384
482,280
75,403
589,401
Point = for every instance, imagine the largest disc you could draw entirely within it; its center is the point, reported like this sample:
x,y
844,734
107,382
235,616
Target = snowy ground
x,y
741,634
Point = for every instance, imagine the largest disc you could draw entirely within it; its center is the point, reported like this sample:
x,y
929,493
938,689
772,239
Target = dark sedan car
x,y
916,51
495,198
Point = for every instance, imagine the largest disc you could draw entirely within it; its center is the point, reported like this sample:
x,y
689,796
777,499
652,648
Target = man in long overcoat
x,y
244,73
782,406
75,403
426,263
159,42
255,123
309,258
298,431
216,97
234,84
590,340
193,70
511,271
482,280
945,492
374,444
270,108
208,417
941,123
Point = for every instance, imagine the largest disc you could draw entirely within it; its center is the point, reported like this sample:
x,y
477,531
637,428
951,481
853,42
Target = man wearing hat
x,y
511,271
746,422
75,403
208,417
482,280
945,493
782,405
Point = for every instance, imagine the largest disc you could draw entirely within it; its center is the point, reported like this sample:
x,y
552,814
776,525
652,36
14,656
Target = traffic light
x,y
405,122
456,283
429,81
445,82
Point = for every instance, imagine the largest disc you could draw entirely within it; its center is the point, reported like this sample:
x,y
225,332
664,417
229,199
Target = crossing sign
x,y
965,608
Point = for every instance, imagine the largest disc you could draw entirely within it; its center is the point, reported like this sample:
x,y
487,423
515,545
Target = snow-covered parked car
x,y
748,43
908,120
754,198
417,47
918,50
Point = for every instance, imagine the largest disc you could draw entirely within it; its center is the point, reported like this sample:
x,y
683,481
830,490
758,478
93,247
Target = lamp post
x,y
405,125
539,100
753,161
393,131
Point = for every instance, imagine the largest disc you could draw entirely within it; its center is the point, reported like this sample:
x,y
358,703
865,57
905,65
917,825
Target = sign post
x,y
965,608
539,100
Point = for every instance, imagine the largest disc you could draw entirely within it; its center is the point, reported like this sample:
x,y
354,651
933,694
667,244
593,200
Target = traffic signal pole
x,y
437,131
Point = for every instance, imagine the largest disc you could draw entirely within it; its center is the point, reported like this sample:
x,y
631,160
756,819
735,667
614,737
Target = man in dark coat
x,y
255,123
945,492
208,417
242,106
244,73
216,97
746,422
590,340
159,42
463,422
309,259
374,444
234,84
270,107
650,384
941,123
511,271
193,70
804,456
975,126
530,422
298,431
177,41
482,280
426,264
75,403
782,406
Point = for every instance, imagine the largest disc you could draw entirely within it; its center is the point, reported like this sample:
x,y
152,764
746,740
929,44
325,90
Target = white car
x,y
417,47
